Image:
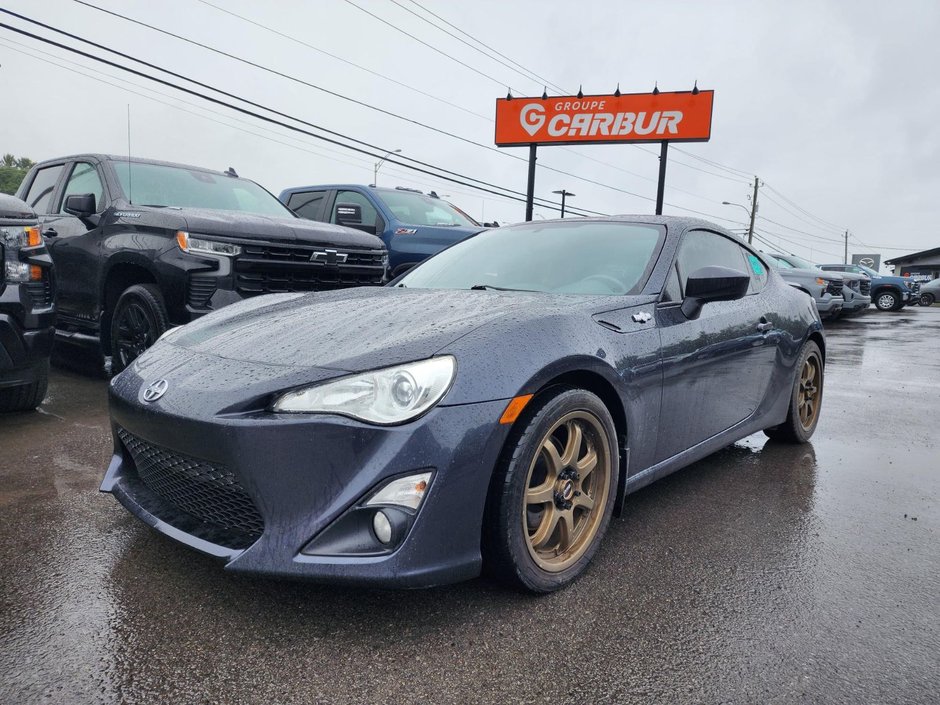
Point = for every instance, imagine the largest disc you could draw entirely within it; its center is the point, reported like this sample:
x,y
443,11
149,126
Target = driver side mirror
x,y
80,205
713,284
350,215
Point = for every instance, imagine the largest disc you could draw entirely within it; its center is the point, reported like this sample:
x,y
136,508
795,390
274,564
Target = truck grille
x,y
208,492
200,290
865,287
834,288
264,269
853,284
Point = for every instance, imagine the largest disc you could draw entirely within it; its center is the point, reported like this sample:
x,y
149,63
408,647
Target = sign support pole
x,y
662,177
530,189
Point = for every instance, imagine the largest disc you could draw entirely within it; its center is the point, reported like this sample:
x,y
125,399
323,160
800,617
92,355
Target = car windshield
x,y
414,208
869,272
571,257
179,187
781,263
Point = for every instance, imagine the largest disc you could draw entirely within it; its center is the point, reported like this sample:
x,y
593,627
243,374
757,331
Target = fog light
x,y
382,527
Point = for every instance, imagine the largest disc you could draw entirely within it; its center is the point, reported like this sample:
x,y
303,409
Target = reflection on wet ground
x,y
765,573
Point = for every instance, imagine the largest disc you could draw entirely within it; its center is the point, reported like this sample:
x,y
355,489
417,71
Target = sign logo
x,y
331,257
156,390
867,262
532,118
638,117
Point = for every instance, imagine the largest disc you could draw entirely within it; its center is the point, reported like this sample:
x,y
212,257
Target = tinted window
x,y
417,209
756,268
357,199
163,185
594,257
673,291
307,204
705,249
83,179
40,191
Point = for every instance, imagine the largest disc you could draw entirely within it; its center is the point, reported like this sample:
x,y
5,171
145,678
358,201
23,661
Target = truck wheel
x,y
887,301
805,399
139,319
926,300
27,396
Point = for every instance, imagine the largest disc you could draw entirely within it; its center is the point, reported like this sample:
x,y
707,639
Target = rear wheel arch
x,y
820,341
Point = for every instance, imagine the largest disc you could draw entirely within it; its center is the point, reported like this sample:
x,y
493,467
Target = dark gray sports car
x,y
492,408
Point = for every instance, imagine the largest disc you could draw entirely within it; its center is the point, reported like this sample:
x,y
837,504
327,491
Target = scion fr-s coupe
x,y
491,408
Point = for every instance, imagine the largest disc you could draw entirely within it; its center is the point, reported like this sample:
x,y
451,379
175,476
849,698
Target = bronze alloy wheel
x,y
809,391
566,491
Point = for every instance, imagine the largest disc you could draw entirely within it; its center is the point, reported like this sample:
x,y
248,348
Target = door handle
x,y
49,232
764,326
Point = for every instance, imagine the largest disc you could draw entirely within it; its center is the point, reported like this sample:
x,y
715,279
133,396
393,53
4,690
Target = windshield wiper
x,y
490,287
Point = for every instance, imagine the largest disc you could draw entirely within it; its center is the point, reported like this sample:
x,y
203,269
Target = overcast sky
x,y
832,104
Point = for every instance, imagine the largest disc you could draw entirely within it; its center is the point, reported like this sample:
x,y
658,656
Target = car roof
x,y
135,160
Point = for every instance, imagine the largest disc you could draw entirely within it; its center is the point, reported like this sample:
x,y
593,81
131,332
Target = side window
x,y
701,248
757,269
307,204
40,191
84,179
369,214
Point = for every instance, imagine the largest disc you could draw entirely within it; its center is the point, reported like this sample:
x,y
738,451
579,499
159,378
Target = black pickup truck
x,y
141,245
27,309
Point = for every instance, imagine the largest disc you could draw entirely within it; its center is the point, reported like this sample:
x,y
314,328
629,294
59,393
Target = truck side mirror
x,y
80,205
348,214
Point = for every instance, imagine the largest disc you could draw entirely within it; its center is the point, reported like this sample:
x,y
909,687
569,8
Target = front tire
x,y
139,319
926,300
27,396
805,398
553,492
887,301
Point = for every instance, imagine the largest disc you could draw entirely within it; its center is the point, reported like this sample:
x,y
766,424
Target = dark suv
x,y
141,245
26,308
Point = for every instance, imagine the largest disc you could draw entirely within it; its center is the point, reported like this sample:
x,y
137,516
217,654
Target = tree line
x,y
12,171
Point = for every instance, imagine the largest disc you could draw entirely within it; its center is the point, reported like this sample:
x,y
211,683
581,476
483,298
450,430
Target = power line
x,y
803,210
543,81
796,215
798,244
259,116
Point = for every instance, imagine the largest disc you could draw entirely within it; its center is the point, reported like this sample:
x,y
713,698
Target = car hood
x,y
441,234
287,229
357,329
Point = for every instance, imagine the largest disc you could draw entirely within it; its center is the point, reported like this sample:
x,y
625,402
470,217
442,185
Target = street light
x,y
378,164
750,214
563,195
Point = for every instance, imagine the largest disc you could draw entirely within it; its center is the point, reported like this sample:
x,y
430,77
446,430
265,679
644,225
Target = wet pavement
x,y
763,574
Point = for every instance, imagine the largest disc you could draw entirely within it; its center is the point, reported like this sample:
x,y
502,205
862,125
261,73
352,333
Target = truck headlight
x,y
198,245
13,240
392,395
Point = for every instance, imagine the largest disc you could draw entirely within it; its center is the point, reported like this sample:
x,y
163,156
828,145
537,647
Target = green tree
x,y
12,171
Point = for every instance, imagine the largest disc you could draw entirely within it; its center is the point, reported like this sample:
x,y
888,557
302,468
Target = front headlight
x,y
392,395
199,245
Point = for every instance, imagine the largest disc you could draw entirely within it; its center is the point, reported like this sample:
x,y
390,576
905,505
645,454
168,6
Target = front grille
x,y
265,269
865,287
915,287
834,288
205,491
40,293
200,290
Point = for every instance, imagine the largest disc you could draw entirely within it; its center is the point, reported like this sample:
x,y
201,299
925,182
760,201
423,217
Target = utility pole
x,y
846,258
750,229
564,193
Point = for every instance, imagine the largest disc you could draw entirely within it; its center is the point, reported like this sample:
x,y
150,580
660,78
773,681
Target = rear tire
x,y
805,398
28,396
139,319
553,492
888,301
926,300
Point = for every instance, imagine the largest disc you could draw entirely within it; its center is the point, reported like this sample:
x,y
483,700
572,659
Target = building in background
x,y
920,265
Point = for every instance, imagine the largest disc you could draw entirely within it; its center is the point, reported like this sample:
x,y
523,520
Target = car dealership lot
x,y
765,573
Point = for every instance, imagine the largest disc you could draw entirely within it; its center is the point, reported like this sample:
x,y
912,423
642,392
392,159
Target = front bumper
x,y
304,471
858,303
829,305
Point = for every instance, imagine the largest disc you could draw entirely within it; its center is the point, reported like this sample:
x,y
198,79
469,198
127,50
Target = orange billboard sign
x,y
638,117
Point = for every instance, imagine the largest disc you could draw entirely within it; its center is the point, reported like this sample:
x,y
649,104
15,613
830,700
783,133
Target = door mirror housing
x,y
350,215
713,284
81,205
